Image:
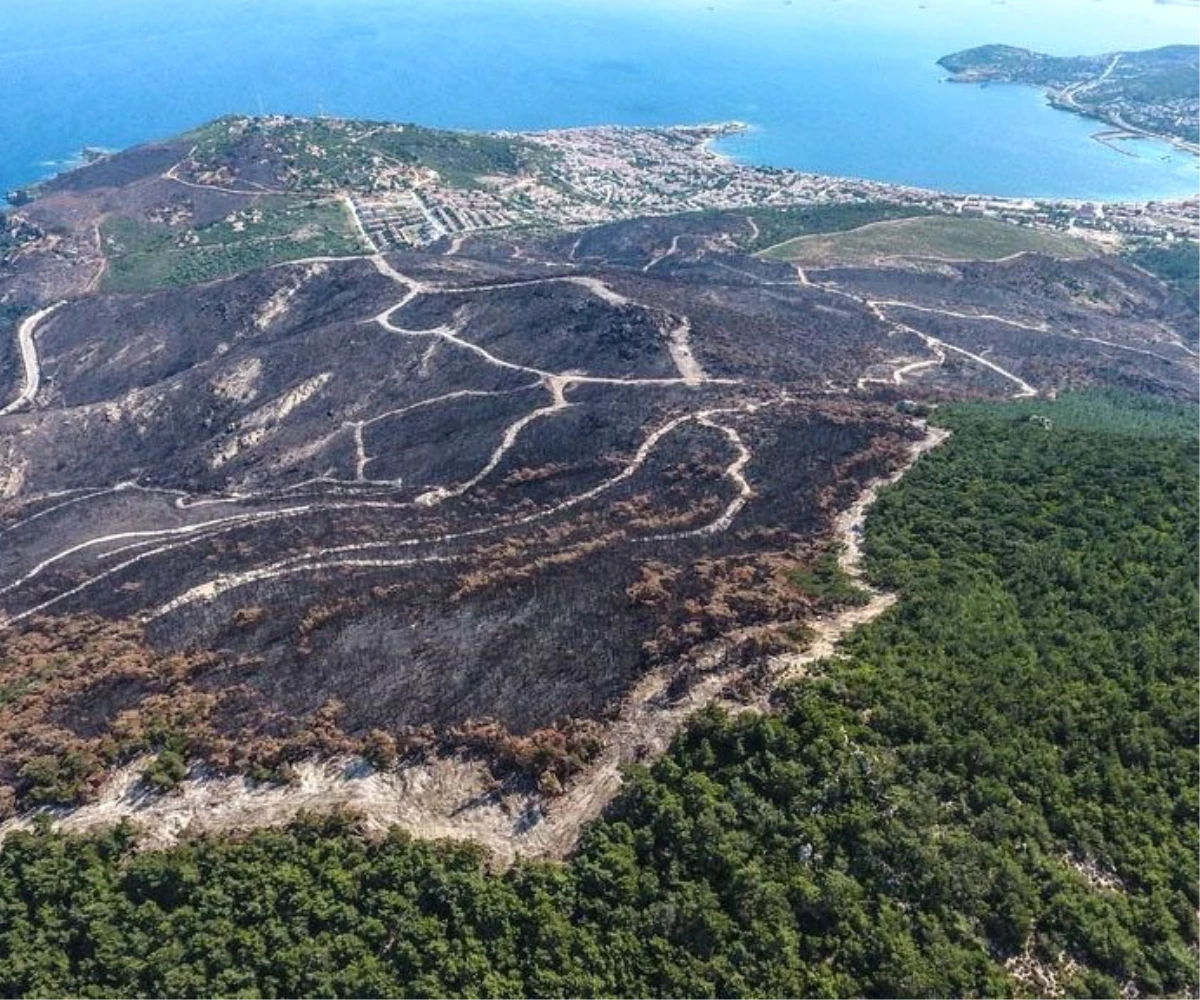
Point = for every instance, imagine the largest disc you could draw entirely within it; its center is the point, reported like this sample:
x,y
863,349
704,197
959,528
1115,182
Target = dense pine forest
x,y
993,792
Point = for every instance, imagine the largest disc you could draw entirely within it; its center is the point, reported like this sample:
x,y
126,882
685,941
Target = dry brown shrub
x,y
652,589
244,617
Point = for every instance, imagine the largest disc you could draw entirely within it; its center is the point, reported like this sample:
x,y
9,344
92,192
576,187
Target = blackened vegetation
x,y
1055,323
117,170
341,505
531,627
271,425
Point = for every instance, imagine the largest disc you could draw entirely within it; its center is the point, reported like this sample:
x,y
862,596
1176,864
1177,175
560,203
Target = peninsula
x,y
1148,94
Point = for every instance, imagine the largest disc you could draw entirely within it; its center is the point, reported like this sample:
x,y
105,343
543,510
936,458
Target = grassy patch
x,y
143,256
776,225
945,237
827,581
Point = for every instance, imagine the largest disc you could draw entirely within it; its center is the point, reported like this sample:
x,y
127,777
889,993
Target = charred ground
x,y
469,497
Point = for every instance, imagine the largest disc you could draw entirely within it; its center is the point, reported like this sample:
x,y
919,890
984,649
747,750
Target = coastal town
x,y
606,174
406,186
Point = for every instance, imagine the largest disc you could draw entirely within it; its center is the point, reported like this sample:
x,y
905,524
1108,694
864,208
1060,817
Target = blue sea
x,y
848,87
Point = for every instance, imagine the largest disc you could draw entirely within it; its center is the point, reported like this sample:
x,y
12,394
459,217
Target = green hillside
x,y
937,236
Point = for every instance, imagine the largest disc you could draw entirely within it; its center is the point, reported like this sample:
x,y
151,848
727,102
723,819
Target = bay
x,y
848,87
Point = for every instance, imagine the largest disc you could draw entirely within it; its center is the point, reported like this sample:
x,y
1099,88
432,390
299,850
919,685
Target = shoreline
x,y
709,134
735,128
1064,99
1061,102
718,131
964,195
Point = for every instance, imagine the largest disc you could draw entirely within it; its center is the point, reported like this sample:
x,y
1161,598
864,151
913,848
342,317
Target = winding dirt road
x,y
138,546
452,797
848,530
32,378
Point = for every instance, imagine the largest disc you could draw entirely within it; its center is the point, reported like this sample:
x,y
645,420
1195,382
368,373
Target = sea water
x,y
848,87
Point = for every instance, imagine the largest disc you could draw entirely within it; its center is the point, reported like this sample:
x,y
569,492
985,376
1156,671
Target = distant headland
x,y
1150,94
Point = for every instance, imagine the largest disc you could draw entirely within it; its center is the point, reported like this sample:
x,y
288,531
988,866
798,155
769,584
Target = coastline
x,y
1159,189
1064,99
1172,199
784,186
723,130
1118,128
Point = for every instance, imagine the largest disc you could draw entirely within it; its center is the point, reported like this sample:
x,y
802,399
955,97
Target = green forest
x,y
993,792
1176,264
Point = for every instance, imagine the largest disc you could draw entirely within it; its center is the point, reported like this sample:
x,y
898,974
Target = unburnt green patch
x,y
773,226
324,155
827,581
144,256
940,237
